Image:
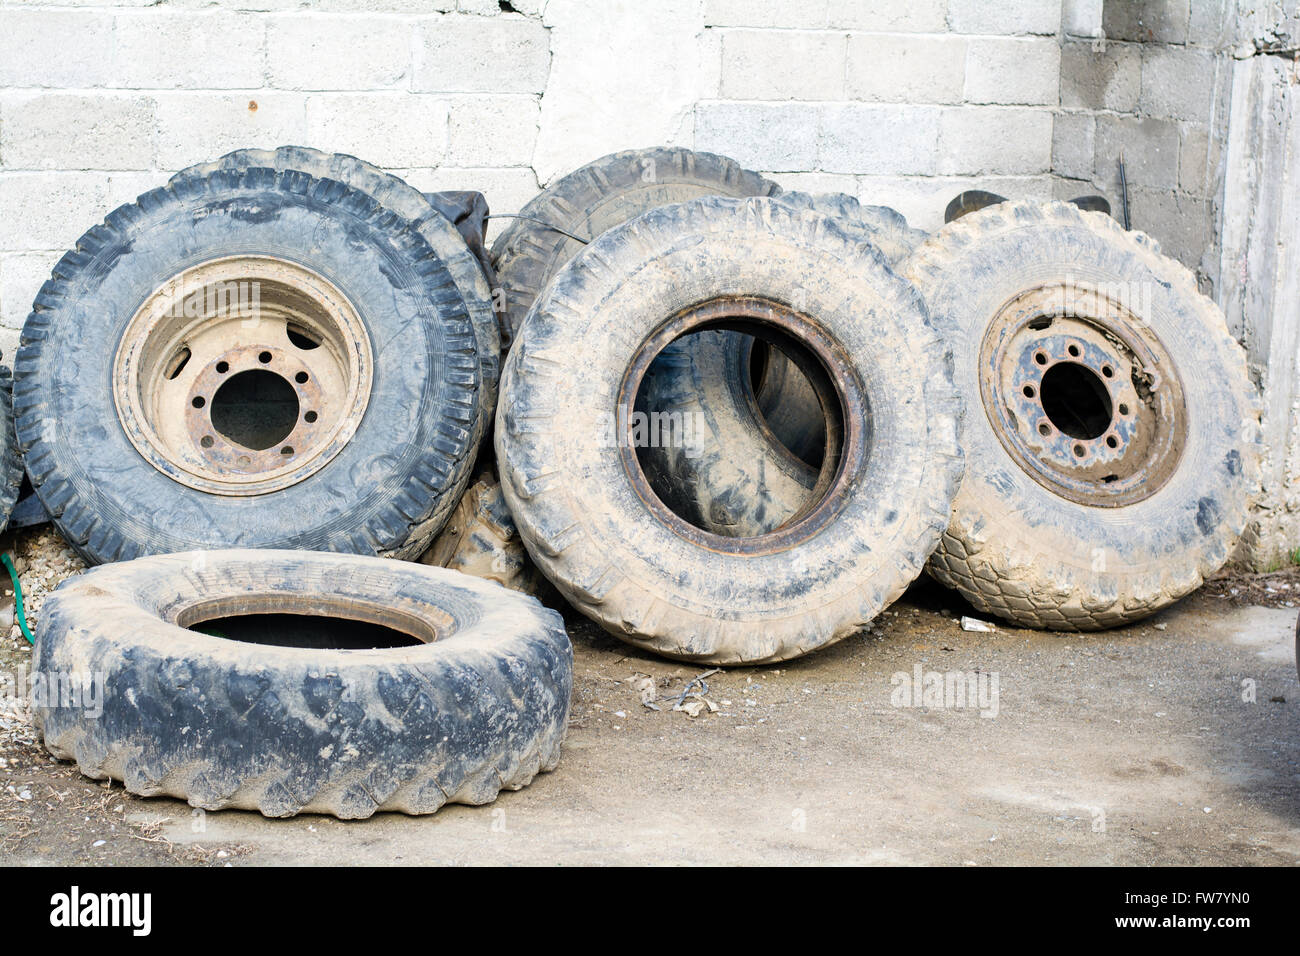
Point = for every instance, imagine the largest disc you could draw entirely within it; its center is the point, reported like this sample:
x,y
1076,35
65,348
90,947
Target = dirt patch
x,y
1279,588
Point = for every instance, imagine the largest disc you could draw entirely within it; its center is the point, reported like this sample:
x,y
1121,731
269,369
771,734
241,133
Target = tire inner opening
x,y
305,630
256,409
1076,400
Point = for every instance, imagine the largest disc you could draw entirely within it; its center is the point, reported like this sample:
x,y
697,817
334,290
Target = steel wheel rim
x,y
202,347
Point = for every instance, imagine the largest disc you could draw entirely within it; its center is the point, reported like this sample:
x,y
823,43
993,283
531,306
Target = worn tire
x,y
480,538
597,197
386,492
285,730
1024,552
603,539
11,463
426,217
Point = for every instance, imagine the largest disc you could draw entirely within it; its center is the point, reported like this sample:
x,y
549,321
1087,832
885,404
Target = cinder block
x,y
1177,83
196,127
1193,158
493,130
773,136
1181,223
1149,146
21,277
375,6
1073,145
782,65
1004,17
160,49
387,129
76,131
507,190
995,141
913,16
801,14
1013,71
1097,78
1082,18
475,54
1210,22
906,69
56,48
879,140
337,52
1147,21
818,182
41,211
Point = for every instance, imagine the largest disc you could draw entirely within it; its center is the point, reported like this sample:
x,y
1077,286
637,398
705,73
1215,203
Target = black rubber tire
x,y
754,464
387,492
285,730
597,197
615,555
1016,549
480,538
427,216
11,463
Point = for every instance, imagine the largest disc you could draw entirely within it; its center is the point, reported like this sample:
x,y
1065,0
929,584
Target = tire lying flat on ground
x,y
1111,432
597,197
570,473
266,393
473,699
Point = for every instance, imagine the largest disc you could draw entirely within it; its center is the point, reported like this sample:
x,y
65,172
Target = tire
x,y
11,463
583,506
595,198
222,723
1067,531
428,214
754,462
481,539
393,458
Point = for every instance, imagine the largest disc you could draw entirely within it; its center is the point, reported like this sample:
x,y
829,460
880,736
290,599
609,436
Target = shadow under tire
x,y
479,704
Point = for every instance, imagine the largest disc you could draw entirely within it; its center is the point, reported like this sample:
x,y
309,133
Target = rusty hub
x,y
1082,395
242,375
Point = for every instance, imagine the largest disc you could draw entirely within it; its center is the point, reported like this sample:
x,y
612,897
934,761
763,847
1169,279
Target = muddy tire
x,y
457,245
1111,432
480,538
11,463
583,506
479,703
597,197
120,413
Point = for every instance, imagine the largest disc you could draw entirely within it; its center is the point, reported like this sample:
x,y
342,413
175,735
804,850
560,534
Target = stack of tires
x,y
728,423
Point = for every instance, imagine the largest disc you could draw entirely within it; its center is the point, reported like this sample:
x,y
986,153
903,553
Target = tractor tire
x,y
1111,431
569,466
11,463
469,694
194,376
595,198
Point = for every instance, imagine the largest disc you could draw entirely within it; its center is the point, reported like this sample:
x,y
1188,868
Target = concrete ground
x,y
1176,741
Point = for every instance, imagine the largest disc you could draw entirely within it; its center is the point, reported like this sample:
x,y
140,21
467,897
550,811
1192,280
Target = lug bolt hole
x,y
1040,358
1123,409
286,450
301,378
206,441
1029,391
1078,451
264,357
1107,371
198,401
1074,351
1112,441
309,418
1044,429
223,368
